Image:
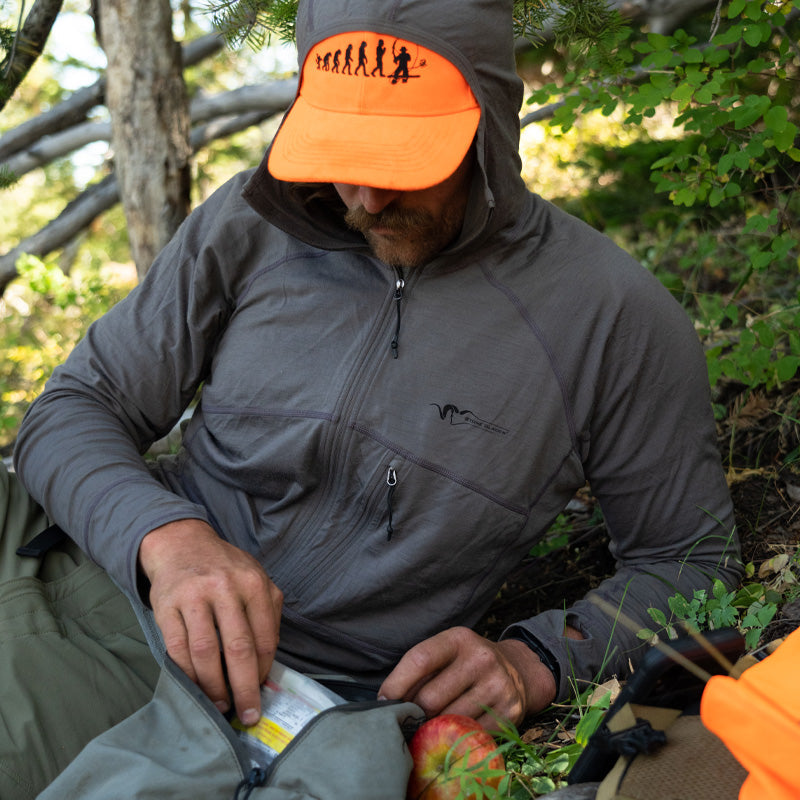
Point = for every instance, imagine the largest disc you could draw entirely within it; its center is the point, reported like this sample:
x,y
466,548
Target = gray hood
x,y
476,36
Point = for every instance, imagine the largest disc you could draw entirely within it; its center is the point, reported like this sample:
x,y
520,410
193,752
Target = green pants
x,y
73,658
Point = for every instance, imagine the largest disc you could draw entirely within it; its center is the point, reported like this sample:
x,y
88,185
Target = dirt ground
x,y
759,443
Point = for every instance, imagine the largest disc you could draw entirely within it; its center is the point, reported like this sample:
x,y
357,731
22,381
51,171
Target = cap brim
x,y
407,153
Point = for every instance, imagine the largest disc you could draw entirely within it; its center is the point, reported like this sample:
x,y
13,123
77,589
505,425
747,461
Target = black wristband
x,y
545,656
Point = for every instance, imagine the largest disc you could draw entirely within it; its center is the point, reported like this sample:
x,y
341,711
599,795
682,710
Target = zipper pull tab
x,y
398,296
256,777
391,482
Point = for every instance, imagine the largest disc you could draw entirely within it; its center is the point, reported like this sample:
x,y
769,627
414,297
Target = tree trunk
x,y
146,98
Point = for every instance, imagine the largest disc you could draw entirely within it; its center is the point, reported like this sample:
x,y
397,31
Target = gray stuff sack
x,y
179,747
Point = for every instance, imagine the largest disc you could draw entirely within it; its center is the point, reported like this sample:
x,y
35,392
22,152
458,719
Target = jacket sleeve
x,y
79,450
650,455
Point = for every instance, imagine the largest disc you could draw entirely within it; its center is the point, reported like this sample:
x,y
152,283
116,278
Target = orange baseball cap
x,y
375,110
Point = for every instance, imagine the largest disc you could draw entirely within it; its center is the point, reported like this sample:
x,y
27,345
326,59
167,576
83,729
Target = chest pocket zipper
x,y
391,482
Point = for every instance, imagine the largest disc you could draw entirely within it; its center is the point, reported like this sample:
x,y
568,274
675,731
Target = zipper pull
x,y
391,482
256,777
398,296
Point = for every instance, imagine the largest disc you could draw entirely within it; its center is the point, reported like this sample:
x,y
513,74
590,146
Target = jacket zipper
x,y
304,578
391,482
398,297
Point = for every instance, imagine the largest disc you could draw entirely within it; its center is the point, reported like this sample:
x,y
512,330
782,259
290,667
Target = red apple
x,y
442,749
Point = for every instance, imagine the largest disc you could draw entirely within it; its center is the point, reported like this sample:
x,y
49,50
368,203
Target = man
x,y
409,364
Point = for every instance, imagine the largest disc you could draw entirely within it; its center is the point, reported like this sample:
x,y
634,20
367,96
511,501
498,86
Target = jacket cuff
x,y
575,661
545,656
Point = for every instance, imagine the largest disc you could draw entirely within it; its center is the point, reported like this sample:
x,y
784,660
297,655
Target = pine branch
x,y
254,22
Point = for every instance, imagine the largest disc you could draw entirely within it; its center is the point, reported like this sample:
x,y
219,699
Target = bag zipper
x,y
255,778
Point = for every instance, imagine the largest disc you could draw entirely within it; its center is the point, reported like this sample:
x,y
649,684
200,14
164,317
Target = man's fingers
x,y
242,662
204,651
176,640
264,613
218,610
459,672
418,667
249,641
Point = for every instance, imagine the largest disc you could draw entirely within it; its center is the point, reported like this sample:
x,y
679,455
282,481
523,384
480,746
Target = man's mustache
x,y
398,220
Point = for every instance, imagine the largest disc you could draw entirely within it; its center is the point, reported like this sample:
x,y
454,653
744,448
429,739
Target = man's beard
x,y
416,236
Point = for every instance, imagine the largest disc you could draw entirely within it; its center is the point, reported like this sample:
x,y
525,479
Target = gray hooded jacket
x,y
533,356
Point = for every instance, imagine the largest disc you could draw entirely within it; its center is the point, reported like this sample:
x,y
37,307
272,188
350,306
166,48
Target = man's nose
x,y
375,200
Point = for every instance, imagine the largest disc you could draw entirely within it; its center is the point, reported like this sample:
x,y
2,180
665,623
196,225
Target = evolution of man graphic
x,y
405,63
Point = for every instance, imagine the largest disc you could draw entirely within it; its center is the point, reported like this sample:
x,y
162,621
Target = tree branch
x,y
29,44
84,209
258,97
74,110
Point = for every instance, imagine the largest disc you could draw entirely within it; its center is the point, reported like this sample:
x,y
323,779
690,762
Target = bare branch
x,y
77,215
270,97
52,147
100,197
256,97
74,110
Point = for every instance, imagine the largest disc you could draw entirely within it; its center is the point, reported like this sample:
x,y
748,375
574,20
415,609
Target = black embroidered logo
x,y
406,63
454,416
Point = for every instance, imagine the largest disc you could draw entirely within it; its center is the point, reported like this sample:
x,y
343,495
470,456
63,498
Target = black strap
x,y
640,738
43,542
545,656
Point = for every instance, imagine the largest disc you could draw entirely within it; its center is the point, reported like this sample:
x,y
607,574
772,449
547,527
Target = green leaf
x,y
758,223
786,368
751,110
732,189
719,590
751,639
753,10
658,616
660,42
735,8
589,723
715,197
725,164
784,141
682,94
776,118
684,197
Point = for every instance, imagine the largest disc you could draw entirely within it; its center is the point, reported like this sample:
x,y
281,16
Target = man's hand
x,y
205,592
459,672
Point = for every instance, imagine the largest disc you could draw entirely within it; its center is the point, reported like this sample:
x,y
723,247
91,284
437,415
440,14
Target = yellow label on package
x,y
289,701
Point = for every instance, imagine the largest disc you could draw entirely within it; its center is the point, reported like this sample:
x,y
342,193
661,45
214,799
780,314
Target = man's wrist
x,y
545,656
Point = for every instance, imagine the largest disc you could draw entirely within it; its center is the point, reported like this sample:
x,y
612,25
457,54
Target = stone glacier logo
x,y
455,416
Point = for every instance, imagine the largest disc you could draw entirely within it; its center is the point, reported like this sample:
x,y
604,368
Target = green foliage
x,y
42,316
536,769
532,770
750,608
253,22
556,537
589,26
731,174
7,40
7,177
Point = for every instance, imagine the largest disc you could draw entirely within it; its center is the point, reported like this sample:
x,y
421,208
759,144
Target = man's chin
x,y
396,254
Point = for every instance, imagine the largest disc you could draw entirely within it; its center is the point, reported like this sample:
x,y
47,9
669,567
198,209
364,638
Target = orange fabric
x,y
758,718
375,110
